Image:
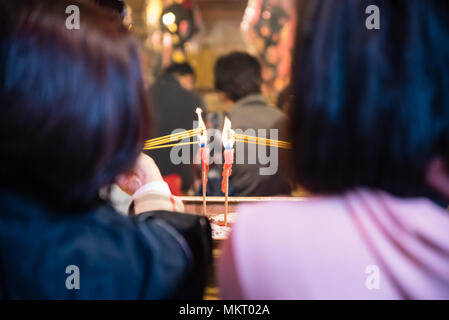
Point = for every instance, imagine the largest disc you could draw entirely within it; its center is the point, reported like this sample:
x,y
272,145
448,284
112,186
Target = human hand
x,y
144,171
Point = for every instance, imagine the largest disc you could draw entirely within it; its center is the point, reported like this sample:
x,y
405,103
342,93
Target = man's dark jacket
x,y
150,256
254,112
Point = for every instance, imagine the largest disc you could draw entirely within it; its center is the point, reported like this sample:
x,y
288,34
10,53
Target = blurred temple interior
x,y
199,31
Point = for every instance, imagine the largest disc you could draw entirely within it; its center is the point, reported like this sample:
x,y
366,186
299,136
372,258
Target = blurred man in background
x,y
238,78
174,102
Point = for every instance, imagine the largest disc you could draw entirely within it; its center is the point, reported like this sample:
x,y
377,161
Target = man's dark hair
x,y
371,107
73,105
238,75
117,6
181,69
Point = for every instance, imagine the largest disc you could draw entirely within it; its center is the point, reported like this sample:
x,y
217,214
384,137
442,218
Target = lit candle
x,y
204,154
228,140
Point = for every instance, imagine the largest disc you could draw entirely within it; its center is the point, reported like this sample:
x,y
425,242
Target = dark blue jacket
x,y
118,257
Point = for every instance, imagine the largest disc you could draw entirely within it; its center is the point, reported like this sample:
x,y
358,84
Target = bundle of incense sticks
x,y
227,171
161,142
168,140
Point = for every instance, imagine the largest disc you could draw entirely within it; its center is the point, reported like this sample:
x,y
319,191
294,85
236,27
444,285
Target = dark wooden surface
x,y
215,205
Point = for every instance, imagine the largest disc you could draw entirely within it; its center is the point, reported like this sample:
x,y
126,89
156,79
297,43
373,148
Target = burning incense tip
x,y
228,135
202,135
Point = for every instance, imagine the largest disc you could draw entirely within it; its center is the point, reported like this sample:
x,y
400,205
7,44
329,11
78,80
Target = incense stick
x,y
256,137
173,134
173,140
259,140
171,137
204,154
271,144
226,200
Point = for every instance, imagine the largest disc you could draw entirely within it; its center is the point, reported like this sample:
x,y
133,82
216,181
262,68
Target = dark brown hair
x,y
73,107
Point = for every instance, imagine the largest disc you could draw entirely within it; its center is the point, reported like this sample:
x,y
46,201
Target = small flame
x,y
202,135
201,124
228,134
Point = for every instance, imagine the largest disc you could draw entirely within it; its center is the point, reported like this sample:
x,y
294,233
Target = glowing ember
x,y
228,135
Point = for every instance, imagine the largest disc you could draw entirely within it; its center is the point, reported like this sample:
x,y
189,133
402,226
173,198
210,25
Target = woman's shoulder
x,y
333,211
309,242
286,215
300,241
318,227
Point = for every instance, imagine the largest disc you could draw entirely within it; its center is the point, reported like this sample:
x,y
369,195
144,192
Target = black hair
x,y
181,69
371,107
238,75
74,112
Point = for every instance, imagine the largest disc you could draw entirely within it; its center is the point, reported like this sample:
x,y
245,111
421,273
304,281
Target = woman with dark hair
x,y
73,120
369,123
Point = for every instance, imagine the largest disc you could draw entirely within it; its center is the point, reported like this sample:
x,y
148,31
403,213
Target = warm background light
x,y
168,18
